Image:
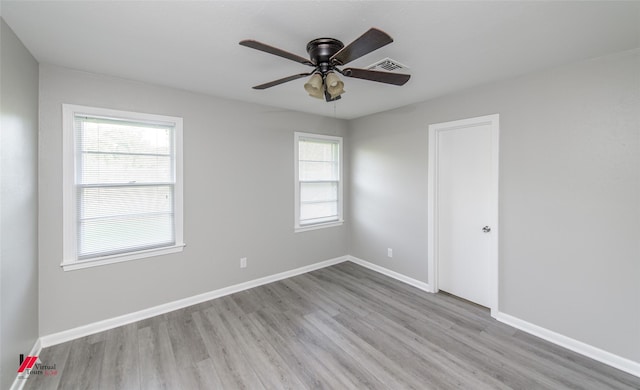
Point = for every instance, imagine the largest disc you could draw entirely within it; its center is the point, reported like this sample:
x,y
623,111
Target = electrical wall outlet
x,y
389,252
243,262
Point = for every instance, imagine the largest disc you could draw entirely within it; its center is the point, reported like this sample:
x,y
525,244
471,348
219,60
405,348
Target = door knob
x,y
486,229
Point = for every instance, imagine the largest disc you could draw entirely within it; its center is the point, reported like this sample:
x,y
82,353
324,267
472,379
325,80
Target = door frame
x,y
432,201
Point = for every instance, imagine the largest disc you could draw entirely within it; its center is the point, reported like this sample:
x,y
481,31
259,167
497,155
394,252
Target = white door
x,y
465,208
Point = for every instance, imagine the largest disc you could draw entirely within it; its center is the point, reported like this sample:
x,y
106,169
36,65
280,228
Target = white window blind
x,y
319,189
124,185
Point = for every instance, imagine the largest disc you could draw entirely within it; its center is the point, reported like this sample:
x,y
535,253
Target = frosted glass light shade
x,y
314,86
335,86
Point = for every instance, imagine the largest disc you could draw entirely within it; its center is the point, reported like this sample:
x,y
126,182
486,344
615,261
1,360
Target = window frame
x,y
70,260
318,225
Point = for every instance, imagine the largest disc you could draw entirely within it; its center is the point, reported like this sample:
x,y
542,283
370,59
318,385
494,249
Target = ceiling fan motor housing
x,y
321,50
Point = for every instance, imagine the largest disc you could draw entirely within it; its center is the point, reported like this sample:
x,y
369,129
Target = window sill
x,y
99,261
299,229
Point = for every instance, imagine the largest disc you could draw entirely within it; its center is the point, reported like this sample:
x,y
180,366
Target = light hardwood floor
x,y
340,327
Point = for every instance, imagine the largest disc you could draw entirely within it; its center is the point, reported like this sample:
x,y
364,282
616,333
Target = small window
x,y
318,181
122,186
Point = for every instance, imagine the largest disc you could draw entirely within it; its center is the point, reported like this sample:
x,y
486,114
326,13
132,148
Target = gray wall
x,y
18,203
238,200
569,195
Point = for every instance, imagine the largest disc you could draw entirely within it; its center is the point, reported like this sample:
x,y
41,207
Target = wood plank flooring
x,y
341,327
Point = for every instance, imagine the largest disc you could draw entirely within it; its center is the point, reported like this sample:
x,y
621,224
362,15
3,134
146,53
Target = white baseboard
x,y
86,330
18,383
587,350
392,274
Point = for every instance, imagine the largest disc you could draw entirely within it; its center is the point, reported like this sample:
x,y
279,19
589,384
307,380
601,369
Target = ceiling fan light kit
x,y
326,55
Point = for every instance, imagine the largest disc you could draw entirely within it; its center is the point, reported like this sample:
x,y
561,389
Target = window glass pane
x,y
318,150
119,201
99,168
323,211
107,135
318,171
314,192
124,233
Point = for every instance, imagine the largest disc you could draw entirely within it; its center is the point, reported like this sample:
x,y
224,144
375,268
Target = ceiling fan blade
x,y
366,43
281,81
374,75
275,51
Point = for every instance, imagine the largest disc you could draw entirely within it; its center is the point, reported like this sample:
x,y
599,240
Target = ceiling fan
x,y
326,55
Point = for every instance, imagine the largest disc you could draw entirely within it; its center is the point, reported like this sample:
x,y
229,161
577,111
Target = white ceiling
x,y
194,45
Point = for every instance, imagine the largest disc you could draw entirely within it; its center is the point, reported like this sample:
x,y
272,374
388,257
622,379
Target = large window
x,y
122,186
318,181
